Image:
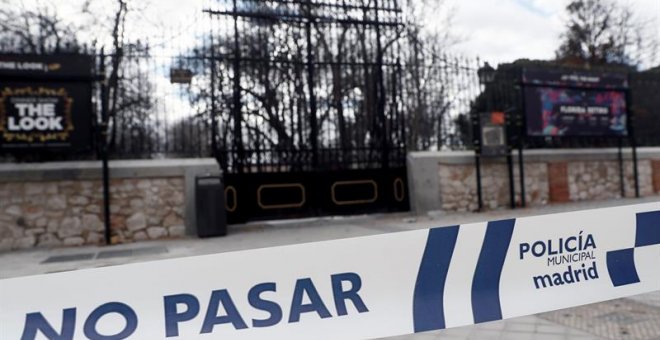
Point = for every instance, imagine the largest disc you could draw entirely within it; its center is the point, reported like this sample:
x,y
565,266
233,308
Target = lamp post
x,y
486,76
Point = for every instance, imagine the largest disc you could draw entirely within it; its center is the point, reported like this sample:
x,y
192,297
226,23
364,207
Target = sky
x,y
506,30
494,30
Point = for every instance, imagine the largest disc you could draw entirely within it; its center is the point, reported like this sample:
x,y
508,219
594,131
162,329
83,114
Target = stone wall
x,y
147,203
590,181
551,176
458,187
69,213
144,209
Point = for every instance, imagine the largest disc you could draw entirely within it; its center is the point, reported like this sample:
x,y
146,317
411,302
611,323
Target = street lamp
x,y
482,123
486,74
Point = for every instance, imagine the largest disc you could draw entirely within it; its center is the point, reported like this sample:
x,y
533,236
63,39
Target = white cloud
x,y
168,23
495,30
506,30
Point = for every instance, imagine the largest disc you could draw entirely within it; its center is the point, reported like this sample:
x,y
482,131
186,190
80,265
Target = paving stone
x,y
623,319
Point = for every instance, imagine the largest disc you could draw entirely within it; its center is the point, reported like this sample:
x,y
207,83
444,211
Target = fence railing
x,y
426,98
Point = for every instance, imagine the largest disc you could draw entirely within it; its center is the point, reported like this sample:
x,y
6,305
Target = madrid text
x,y
575,251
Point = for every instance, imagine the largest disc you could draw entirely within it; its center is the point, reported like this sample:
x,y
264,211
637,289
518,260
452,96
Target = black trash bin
x,y
210,207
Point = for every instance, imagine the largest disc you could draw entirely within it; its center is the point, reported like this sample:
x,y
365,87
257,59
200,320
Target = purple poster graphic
x,y
552,111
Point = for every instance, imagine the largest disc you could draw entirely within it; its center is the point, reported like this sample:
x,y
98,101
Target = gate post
x,y
104,153
313,136
237,109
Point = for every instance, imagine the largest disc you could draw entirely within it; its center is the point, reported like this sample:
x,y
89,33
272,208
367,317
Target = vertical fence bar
x,y
239,156
520,121
214,118
381,126
104,152
621,168
633,140
313,135
635,166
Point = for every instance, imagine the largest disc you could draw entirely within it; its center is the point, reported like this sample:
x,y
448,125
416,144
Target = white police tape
x,y
359,288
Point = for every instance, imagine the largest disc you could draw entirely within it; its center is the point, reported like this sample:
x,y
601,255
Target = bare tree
x,y
353,87
41,30
36,29
128,86
606,32
118,29
427,99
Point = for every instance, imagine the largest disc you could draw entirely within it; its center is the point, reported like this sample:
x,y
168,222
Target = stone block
x,y
10,231
175,199
5,244
32,212
70,226
156,232
117,222
172,220
57,202
92,222
49,240
14,210
24,242
78,200
34,189
177,231
114,208
35,231
74,241
143,184
50,188
53,225
94,238
41,222
137,203
137,221
140,236
93,208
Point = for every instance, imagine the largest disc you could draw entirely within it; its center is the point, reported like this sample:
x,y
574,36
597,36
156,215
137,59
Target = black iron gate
x,y
308,110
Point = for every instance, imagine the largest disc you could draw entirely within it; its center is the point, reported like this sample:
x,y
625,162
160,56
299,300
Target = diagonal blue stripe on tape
x,y
428,301
486,283
621,266
648,229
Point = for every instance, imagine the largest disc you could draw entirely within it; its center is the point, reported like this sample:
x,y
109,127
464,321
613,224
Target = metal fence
x,y
429,100
308,85
503,94
288,84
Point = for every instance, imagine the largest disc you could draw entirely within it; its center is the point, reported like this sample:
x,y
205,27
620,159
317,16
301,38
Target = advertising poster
x,y
45,115
44,105
575,105
568,112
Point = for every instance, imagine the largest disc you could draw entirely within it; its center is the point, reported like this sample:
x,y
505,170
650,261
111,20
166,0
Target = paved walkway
x,y
636,318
